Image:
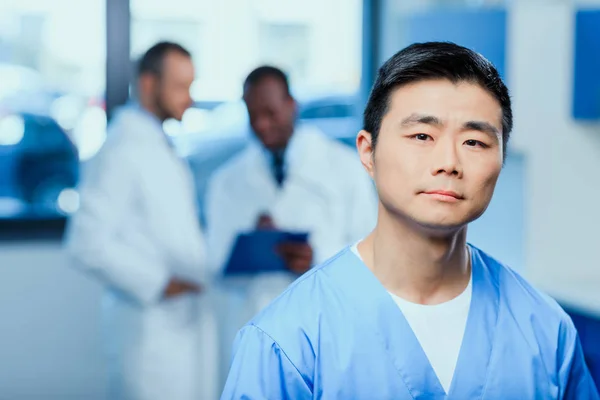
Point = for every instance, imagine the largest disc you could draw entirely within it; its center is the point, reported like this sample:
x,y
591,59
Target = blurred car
x,y
39,167
22,89
81,116
228,132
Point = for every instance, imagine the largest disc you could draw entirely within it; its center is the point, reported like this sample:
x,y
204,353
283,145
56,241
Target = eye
x,y
475,143
422,137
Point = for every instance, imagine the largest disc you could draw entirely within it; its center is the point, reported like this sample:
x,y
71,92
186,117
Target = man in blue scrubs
x,y
413,311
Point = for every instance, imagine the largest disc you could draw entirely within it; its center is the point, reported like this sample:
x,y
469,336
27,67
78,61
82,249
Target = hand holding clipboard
x,y
262,251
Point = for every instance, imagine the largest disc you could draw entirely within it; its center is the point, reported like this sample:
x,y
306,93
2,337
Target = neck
x,y
153,108
420,266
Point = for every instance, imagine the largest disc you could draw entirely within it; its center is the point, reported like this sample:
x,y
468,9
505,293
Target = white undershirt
x,y
439,328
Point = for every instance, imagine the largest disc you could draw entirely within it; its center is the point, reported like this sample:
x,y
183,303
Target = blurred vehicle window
x,y
52,80
328,111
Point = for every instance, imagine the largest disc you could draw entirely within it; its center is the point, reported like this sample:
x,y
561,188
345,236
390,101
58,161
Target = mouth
x,y
444,195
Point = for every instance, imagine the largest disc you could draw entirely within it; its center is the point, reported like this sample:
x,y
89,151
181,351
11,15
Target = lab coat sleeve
x,y
220,233
261,370
185,249
93,243
575,379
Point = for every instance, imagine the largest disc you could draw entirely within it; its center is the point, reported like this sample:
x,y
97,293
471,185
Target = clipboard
x,y
255,252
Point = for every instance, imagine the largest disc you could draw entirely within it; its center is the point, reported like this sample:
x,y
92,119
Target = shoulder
x,y
526,302
293,319
132,135
130,123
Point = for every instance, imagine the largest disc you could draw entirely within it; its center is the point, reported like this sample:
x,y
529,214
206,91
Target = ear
x,y
292,103
147,83
364,145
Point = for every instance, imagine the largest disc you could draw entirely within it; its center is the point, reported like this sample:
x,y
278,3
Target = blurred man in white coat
x,y
293,178
137,230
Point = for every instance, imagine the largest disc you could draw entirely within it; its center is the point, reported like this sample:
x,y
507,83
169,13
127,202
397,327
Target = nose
x,y
262,125
446,159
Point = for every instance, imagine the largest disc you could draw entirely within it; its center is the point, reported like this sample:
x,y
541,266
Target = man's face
x,y
272,112
172,89
439,153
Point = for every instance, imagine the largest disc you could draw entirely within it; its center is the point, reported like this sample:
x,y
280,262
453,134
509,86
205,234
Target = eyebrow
x,y
416,119
481,126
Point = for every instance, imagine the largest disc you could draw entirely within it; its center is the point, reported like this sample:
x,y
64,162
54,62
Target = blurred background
x,y
66,64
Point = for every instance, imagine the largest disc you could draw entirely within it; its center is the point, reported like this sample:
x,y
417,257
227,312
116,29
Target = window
x,y
229,38
286,45
52,80
147,30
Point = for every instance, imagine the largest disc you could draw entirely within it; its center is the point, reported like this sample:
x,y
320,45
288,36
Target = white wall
x,y
562,206
50,343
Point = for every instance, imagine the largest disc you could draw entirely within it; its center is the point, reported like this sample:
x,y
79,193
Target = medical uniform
x,y
336,333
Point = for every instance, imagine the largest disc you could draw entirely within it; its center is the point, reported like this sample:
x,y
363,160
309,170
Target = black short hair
x,y
435,60
152,61
267,71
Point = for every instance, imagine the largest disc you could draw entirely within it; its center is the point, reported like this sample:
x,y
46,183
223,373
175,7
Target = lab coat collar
x,y
136,107
294,153
151,117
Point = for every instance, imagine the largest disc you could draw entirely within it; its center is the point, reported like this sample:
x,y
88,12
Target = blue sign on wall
x,y
586,79
483,30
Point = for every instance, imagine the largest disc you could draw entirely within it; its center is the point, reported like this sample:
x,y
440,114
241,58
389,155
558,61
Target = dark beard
x,y
161,110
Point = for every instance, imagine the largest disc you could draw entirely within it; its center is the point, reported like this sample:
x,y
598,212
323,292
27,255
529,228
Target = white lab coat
x,y
136,228
326,192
